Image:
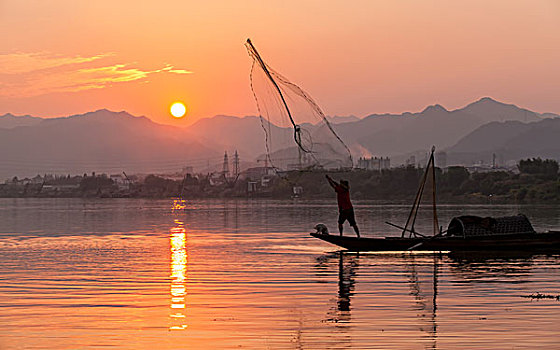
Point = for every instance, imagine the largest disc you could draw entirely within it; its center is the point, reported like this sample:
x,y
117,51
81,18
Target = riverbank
x,y
455,185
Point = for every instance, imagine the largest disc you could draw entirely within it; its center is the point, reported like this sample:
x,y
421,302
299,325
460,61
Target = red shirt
x,y
343,197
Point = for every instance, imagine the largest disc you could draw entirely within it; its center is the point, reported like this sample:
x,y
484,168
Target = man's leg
x,y
352,222
341,219
357,230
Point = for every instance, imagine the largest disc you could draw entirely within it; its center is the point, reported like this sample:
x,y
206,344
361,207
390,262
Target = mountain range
x,y
393,135
102,141
509,141
107,141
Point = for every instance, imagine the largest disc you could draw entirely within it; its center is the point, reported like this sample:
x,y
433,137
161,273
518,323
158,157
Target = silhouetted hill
x,y
337,119
398,134
493,110
101,141
390,135
226,132
106,141
376,134
489,136
510,141
9,120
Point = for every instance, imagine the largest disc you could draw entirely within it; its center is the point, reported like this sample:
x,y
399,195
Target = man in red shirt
x,y
345,208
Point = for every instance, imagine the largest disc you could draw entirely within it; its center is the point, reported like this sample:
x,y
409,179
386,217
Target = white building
x,y
374,163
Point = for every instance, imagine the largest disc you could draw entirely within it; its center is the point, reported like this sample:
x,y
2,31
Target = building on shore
x,y
120,181
257,173
374,163
258,178
411,161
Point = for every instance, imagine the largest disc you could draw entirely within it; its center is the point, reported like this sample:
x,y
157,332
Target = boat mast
x,y
418,199
436,228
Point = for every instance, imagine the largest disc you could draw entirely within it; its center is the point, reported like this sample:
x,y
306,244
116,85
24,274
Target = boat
x,y
547,241
464,233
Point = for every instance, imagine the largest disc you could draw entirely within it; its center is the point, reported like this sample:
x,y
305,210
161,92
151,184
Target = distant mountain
x,y
398,134
390,135
510,141
377,134
101,141
106,141
8,121
337,119
490,136
248,135
230,133
493,110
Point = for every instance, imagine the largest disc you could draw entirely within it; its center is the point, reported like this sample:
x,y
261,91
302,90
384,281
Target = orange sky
x,y
63,57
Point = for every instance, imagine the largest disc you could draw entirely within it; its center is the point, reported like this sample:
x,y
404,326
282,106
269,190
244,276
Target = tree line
x,y
537,181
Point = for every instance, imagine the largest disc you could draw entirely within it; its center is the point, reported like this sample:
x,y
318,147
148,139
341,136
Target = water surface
x,y
165,274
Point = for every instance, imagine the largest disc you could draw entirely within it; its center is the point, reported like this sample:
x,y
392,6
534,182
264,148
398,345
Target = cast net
x,y
298,135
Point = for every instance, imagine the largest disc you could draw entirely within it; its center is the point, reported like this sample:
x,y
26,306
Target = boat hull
x,y
549,241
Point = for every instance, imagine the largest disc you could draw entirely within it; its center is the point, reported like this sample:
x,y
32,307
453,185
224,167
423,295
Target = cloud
x,y
170,69
32,74
17,63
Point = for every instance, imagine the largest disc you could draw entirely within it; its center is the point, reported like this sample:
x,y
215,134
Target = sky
x,y
65,57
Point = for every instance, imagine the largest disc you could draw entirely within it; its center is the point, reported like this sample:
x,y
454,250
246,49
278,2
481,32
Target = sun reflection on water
x,y
177,240
179,204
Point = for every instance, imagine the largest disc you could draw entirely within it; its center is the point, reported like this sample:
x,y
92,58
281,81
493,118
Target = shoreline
x,y
475,199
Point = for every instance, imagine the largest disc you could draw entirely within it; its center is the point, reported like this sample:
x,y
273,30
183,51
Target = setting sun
x,y
178,109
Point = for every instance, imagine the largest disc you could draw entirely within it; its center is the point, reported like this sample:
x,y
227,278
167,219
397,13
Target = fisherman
x,y
345,208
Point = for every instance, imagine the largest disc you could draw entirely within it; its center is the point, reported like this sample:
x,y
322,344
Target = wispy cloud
x,y
22,62
32,74
170,69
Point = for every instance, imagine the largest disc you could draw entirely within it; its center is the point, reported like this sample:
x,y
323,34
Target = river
x,y
227,274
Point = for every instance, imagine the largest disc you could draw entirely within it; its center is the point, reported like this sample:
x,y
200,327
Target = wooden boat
x,y
465,233
548,241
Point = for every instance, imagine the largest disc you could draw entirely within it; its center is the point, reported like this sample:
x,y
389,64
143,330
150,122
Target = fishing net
x,y
298,136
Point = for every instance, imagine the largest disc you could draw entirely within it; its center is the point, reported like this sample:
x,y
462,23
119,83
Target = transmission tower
x,y
225,167
235,164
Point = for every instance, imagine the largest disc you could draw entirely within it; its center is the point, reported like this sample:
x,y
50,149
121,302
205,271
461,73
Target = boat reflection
x,y
425,293
505,267
178,288
340,314
423,289
347,268
422,272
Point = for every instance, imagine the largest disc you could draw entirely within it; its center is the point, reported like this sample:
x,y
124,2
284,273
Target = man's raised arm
x,y
331,181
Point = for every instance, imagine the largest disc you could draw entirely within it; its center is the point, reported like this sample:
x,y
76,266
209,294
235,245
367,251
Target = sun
x,y
178,109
